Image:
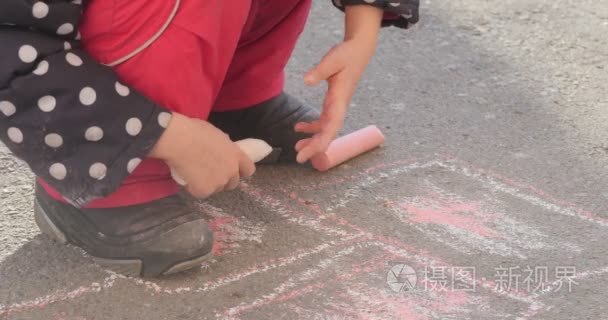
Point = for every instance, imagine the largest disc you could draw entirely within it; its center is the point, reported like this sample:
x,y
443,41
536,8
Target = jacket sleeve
x,y
68,117
399,13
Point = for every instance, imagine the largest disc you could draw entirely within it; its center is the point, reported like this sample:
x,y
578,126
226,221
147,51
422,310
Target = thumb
x,y
246,166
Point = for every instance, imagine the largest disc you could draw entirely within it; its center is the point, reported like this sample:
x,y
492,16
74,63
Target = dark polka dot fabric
x,y
398,13
70,118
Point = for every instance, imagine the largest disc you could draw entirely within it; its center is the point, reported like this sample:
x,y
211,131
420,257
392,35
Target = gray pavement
x,y
489,199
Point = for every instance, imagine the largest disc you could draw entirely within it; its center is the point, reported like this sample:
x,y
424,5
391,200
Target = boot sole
x,y
128,267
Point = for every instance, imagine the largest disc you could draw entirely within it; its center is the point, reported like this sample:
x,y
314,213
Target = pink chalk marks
x,y
356,293
218,225
349,280
438,209
230,231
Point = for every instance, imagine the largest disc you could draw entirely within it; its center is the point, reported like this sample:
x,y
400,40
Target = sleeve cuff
x,y
126,160
399,13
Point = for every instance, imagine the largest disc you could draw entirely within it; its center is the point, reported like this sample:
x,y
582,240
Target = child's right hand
x,y
202,155
342,68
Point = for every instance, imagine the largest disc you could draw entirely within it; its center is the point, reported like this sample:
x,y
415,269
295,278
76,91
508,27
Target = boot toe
x,y
183,247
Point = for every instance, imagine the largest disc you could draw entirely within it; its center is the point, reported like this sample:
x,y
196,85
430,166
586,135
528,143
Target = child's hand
x,y
203,155
342,68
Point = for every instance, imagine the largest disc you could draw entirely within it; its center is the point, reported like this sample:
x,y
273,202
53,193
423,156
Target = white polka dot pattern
x,y
58,171
47,103
65,29
93,134
7,108
40,10
15,135
133,163
73,59
121,89
98,171
27,53
42,68
133,126
163,119
53,140
87,96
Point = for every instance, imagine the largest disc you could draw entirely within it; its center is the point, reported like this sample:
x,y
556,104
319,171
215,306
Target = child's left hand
x,y
342,68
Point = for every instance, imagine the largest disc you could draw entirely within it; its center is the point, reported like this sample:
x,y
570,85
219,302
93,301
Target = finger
x,y
308,152
246,166
317,145
328,66
217,190
178,178
336,100
309,127
334,113
301,144
199,192
233,183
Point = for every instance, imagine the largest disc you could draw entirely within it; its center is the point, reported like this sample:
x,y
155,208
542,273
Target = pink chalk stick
x,y
348,147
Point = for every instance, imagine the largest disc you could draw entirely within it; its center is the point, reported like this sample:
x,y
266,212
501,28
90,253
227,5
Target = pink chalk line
x,y
109,281
398,248
256,269
302,285
436,210
534,305
489,285
481,173
289,213
467,220
480,283
329,182
325,217
58,296
291,288
395,245
386,243
498,182
468,231
352,191
230,231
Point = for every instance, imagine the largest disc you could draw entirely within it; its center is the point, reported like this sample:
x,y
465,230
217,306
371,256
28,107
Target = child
x,y
179,77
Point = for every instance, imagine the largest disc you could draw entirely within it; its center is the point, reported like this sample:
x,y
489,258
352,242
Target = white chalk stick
x,y
255,149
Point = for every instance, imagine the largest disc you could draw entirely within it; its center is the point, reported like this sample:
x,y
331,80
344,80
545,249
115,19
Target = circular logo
x,y
401,277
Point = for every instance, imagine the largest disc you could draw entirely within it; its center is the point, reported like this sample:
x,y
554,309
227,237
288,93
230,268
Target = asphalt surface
x,y
489,199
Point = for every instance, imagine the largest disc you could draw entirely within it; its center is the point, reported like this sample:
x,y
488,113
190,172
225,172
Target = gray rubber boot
x,y
272,121
157,238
